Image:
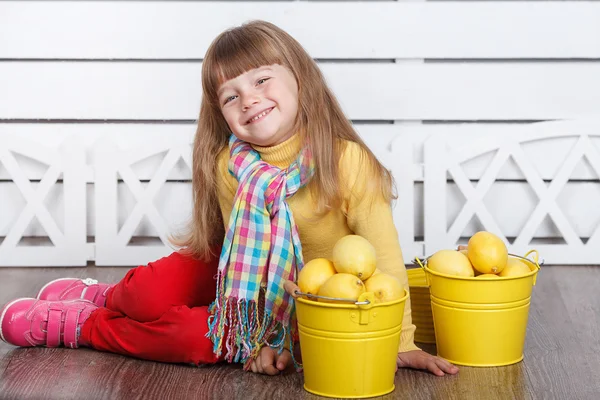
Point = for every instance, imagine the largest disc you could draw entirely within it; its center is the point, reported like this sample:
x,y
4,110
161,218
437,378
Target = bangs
x,y
235,52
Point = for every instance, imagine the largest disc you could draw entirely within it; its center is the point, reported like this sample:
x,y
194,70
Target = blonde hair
x,y
320,121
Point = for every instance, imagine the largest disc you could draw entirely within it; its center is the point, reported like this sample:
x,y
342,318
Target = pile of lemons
x,y
486,256
350,274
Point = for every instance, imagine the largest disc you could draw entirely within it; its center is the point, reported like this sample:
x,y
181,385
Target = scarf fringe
x,y
245,333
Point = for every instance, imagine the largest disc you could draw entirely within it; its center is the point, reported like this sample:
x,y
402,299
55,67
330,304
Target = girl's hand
x,y
419,359
269,362
291,288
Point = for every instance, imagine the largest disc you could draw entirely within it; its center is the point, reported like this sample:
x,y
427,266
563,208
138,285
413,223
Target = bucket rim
x,y
425,286
353,306
474,278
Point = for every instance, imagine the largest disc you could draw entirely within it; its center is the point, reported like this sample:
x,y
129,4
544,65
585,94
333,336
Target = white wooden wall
x,y
486,112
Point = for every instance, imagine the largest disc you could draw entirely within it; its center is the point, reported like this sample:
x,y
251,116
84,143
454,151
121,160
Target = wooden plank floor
x,y
561,356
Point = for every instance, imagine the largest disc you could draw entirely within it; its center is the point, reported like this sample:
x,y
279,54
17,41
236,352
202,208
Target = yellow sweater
x,y
357,216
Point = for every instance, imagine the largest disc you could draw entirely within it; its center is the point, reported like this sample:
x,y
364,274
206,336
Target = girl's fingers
x,y
421,360
433,367
267,361
269,368
291,288
284,360
446,366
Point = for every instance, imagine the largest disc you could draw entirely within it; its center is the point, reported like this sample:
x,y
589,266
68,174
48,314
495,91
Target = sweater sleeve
x,y
370,216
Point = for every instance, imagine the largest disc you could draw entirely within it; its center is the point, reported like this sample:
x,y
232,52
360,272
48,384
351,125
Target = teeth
x,y
258,116
262,114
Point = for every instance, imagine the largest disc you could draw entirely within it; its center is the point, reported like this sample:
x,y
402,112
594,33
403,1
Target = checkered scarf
x,y
261,247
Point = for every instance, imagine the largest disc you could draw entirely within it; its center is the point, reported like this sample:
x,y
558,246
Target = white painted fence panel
x,y
113,238
443,161
66,234
139,189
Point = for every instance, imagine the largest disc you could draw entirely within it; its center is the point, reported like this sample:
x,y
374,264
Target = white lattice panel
x,y
114,174
64,175
118,241
444,163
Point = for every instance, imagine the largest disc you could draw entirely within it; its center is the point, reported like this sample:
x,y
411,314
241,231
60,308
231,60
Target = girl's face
x,y
260,105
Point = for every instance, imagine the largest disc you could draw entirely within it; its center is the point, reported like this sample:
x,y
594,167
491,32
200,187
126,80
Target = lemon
x,y
486,276
314,274
343,286
515,267
353,254
487,252
465,252
450,262
385,287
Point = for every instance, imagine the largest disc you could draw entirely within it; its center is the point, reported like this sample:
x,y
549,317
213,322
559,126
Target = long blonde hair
x,y
320,121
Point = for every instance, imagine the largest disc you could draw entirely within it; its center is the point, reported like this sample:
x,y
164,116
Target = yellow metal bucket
x,y
349,350
420,303
481,322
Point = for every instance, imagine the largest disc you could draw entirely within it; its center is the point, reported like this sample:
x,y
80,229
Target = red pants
x,y
158,312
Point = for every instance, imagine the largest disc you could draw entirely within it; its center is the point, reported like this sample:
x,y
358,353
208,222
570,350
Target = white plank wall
x,y
171,90
120,82
355,30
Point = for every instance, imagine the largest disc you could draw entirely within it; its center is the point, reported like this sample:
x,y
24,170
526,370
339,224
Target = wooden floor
x,y
562,356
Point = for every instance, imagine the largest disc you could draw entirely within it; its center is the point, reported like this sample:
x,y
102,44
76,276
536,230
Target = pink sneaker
x,y
31,322
75,288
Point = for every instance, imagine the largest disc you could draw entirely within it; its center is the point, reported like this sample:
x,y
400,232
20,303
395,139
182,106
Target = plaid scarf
x,y
261,247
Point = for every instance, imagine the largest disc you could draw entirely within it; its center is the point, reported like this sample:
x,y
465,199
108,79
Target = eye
x,y
262,80
230,98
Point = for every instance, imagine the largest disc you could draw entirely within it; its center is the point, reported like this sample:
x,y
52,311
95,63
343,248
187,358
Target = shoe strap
x,y
70,328
90,292
53,327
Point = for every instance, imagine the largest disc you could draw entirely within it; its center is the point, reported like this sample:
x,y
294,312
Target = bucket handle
x,y
417,261
536,257
421,264
335,299
535,261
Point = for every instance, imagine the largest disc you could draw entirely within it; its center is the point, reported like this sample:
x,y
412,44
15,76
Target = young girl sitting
x,y
279,175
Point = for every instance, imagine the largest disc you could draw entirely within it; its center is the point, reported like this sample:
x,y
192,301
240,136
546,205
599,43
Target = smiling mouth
x,y
259,116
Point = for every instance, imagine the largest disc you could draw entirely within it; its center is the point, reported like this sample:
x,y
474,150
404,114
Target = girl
x,y
279,176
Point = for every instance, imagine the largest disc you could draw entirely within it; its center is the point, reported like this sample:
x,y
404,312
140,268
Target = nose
x,y
250,99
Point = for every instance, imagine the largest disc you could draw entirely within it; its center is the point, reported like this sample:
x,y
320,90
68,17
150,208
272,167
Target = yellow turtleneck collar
x,y
281,155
